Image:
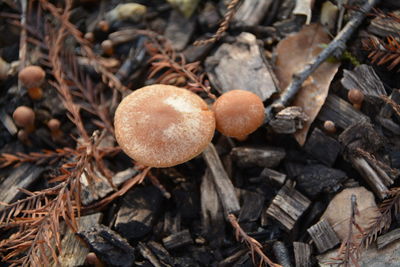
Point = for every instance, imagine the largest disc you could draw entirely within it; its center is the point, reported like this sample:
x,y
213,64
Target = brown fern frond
x,y
381,52
165,62
231,9
254,246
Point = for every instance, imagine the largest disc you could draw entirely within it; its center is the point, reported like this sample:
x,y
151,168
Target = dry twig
x,y
335,46
231,9
254,246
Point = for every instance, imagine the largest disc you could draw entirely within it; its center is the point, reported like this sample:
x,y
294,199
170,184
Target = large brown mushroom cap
x,y
162,126
238,113
31,76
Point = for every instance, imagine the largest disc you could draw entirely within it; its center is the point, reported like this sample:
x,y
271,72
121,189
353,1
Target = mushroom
x,y
54,126
330,127
24,117
108,47
356,97
163,125
238,113
32,78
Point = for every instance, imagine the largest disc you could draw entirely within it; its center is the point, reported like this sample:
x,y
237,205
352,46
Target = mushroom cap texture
x,y
32,76
238,113
23,116
162,125
355,96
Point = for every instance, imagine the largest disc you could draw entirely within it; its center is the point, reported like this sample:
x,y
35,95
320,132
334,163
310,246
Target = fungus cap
x,y
32,76
162,125
238,113
24,117
355,96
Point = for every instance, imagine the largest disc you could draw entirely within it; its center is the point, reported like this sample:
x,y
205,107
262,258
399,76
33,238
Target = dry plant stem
x,y
336,45
254,246
394,105
349,247
23,40
223,26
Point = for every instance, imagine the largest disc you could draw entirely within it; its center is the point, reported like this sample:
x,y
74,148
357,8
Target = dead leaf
x,y
293,54
338,211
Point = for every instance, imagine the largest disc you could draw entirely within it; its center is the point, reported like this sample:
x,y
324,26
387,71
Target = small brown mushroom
x,y
89,36
104,25
54,126
330,127
32,77
108,47
162,125
238,113
356,97
24,117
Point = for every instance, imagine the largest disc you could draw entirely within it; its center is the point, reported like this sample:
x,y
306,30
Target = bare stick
x,y
22,41
336,45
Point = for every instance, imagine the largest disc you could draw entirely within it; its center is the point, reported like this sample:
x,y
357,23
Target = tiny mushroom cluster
x,y
162,125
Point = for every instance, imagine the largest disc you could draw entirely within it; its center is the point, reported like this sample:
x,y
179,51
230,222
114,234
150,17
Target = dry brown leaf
x,y
338,211
293,54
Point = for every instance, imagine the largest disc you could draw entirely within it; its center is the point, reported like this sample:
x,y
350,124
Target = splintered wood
x,y
323,235
287,206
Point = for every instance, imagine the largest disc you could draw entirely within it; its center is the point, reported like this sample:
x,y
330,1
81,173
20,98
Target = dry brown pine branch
x,y
393,104
231,9
383,221
349,247
381,52
36,219
108,78
254,246
171,68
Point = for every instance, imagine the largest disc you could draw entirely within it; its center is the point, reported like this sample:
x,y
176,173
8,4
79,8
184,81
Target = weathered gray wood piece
x,y
178,239
388,238
387,110
110,247
385,26
362,136
253,203
261,156
241,66
8,123
161,253
287,206
379,184
251,12
365,79
179,30
289,120
224,186
323,235
212,214
138,212
340,112
22,176
274,176
302,254
281,254
92,192
148,254
74,251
